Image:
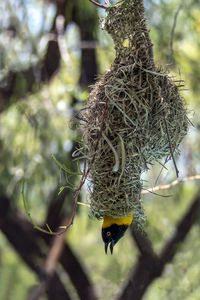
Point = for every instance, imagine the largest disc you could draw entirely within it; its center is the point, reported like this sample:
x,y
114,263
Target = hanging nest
x,y
134,116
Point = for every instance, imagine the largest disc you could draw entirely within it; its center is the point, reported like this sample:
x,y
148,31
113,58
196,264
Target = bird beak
x,y
106,247
112,246
112,243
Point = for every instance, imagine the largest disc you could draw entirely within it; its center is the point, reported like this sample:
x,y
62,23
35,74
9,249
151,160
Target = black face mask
x,y
112,235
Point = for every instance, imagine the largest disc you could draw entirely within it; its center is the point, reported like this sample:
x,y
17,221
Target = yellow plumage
x,y
108,221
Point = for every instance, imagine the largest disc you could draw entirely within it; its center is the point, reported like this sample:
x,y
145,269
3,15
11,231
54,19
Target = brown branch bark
x,y
98,4
68,259
54,290
171,184
75,271
22,237
72,266
25,241
151,266
49,268
16,231
87,24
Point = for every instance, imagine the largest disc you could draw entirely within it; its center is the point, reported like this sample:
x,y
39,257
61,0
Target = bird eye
x,y
108,233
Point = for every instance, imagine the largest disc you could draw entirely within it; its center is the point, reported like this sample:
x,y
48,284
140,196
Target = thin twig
x,y
98,4
86,173
169,185
163,167
107,2
173,32
152,192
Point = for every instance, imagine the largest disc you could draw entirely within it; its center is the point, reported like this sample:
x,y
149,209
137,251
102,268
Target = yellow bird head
x,y
113,229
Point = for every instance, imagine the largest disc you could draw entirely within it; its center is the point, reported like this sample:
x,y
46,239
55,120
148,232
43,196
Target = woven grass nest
x,y
134,116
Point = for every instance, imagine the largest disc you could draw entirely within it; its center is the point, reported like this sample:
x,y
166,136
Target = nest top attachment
x,y
126,24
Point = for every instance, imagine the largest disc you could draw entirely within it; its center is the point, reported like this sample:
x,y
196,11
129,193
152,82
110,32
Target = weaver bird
x,y
113,229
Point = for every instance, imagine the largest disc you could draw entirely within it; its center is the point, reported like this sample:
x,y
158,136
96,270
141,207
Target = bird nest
x,y
134,117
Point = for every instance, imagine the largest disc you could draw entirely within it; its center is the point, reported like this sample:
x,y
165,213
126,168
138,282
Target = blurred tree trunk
x,y
43,71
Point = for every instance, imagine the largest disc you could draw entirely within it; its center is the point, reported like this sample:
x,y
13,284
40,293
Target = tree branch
x,y
169,185
173,32
49,268
26,241
22,237
143,243
150,266
98,4
68,259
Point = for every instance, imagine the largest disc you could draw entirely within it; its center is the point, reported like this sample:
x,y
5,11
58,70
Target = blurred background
x,y
51,52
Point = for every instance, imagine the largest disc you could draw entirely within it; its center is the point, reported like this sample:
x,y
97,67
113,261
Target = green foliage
x,y
16,277
35,226
67,170
39,126
181,277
